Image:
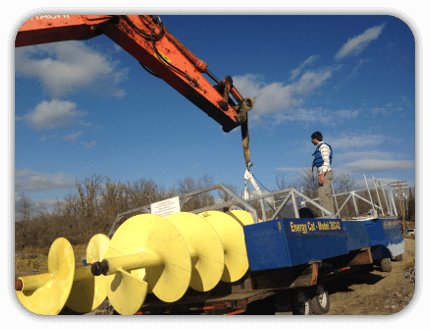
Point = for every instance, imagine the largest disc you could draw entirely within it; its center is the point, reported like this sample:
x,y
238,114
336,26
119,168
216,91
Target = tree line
x,y
94,207
98,201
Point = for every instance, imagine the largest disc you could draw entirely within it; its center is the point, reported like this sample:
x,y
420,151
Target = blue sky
x,y
350,77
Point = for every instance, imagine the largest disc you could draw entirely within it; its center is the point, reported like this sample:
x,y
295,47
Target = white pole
x,y
373,206
335,199
377,192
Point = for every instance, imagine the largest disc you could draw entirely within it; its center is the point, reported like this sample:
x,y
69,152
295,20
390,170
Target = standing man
x,y
322,161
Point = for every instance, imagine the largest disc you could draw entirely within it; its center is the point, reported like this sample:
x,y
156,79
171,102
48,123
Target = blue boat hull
x,y
289,242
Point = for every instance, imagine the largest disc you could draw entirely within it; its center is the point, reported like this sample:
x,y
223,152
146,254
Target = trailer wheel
x,y
320,302
301,304
399,257
386,265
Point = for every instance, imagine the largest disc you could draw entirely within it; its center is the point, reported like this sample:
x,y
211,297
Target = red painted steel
x,y
138,34
363,258
18,285
314,274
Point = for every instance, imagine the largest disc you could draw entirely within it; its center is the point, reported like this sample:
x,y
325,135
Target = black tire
x,y
399,257
386,265
301,303
306,213
320,301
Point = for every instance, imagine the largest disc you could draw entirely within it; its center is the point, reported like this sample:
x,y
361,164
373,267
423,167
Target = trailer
x,y
290,258
294,291
214,262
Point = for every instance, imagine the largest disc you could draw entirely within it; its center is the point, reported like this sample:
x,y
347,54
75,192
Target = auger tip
x,y
100,267
18,285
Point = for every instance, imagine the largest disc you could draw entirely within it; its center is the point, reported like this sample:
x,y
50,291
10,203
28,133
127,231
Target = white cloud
x,y
357,44
310,81
36,181
393,108
293,169
72,137
296,72
353,74
376,165
49,115
346,114
66,67
48,137
369,154
269,97
374,160
387,110
361,183
277,96
117,48
25,172
354,71
362,154
48,205
89,145
323,116
360,140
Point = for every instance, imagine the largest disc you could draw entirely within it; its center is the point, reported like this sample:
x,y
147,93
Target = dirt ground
x,y
375,292
363,292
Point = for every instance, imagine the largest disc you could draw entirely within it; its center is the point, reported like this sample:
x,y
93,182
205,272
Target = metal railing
x,y
390,205
235,201
276,201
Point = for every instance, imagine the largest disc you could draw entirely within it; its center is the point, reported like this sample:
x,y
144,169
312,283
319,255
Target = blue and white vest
x,y
318,160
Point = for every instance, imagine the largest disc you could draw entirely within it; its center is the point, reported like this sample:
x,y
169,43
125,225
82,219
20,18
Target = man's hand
x,y
321,180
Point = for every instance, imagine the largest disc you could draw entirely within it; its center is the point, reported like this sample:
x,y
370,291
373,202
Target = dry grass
x,y
34,249
80,249
36,259
39,263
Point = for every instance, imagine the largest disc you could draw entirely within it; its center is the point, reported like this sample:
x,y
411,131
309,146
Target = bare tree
x,y
188,185
308,181
88,191
343,182
23,210
281,182
224,196
141,192
411,205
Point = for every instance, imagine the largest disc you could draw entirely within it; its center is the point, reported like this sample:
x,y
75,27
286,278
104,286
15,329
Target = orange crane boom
x,y
158,51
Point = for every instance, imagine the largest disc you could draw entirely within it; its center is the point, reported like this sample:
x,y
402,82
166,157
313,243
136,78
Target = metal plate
x,y
50,298
88,293
232,237
155,235
204,240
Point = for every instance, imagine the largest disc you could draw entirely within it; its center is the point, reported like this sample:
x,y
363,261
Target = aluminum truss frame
x,y
389,203
267,199
236,200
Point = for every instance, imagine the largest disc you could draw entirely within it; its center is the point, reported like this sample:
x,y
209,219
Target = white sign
x,y
166,207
